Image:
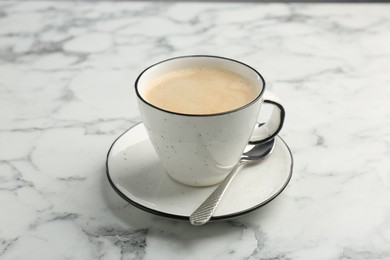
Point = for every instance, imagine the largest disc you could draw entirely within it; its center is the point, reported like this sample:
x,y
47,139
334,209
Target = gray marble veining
x,y
66,76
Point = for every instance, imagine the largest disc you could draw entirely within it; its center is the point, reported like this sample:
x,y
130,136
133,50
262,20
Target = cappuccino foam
x,y
200,90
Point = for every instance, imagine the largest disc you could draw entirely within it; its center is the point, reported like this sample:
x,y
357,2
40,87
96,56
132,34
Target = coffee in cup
x,y
200,90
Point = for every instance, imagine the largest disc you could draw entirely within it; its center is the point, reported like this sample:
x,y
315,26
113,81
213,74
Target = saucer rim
x,y
186,218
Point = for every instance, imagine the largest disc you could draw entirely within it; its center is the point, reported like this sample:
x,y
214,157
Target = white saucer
x,y
135,173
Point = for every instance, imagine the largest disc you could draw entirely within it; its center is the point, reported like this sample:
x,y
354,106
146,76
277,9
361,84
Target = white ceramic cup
x,y
200,150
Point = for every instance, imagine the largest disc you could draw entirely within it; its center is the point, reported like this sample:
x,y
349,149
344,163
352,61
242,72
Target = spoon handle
x,y
204,212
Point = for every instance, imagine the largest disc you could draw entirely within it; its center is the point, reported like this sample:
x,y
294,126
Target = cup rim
x,y
200,115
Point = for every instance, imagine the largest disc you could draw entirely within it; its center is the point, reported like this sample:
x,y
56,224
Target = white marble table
x,y
66,92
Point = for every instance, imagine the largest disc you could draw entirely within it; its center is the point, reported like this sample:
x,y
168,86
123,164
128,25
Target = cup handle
x,y
264,132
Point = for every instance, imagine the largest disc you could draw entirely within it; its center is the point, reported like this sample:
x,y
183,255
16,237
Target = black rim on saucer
x,y
186,218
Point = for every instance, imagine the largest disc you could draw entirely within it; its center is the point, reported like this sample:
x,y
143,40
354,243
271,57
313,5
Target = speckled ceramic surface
x,y
201,149
137,175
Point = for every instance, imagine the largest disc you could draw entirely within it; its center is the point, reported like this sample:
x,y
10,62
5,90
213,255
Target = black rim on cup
x,y
200,56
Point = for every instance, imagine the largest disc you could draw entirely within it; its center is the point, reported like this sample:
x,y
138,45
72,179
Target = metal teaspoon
x,y
253,153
